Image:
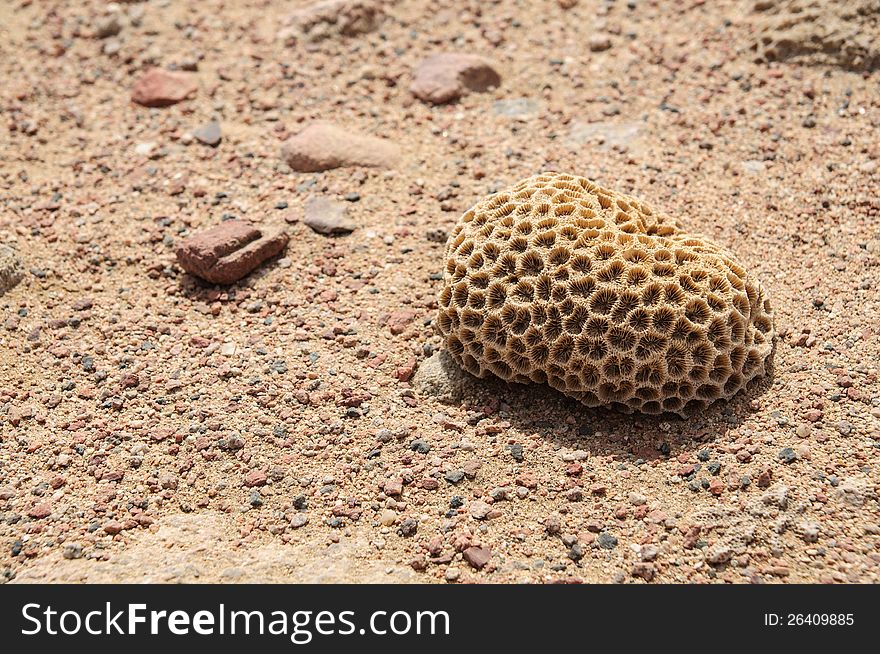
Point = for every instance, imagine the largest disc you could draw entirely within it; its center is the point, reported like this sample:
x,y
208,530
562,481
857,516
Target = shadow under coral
x,y
542,410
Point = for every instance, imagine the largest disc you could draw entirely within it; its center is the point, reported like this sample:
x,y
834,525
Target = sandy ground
x,y
156,428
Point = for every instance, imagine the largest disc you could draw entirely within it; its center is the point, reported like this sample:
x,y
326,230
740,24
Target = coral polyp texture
x,y
557,280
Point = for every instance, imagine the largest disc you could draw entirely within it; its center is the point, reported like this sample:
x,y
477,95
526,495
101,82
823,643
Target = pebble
x,y
649,552
718,554
440,377
447,77
408,528
420,446
419,563
809,531
208,134
113,527
299,520
477,557
40,511
111,47
230,251
599,43
479,509
516,451
327,216
576,455
393,488
452,574
576,552
643,570
606,541
324,146
454,476
255,478
72,551
787,455
637,500
160,88
145,149
108,26
622,136
387,517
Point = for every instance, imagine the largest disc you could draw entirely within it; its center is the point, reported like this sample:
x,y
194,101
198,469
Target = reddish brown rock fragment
x,y
230,251
160,88
446,77
477,557
40,511
113,527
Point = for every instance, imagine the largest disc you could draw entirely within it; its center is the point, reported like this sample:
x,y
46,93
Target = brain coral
x,y
557,280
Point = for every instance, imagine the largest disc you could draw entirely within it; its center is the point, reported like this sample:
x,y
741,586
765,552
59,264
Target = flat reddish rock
x,y
477,557
446,77
113,527
231,250
255,478
40,511
322,146
160,88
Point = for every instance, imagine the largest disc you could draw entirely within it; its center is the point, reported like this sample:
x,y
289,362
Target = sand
x,y
156,427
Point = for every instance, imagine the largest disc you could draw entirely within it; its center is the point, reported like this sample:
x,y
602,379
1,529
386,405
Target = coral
x,y
557,280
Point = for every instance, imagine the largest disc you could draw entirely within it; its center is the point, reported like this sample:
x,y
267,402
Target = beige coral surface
x,y
304,423
558,280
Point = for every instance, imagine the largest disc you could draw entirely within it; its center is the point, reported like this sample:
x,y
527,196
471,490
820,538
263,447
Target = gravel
x,y
143,409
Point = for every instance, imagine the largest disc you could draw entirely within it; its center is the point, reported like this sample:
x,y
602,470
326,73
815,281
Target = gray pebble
x,y
209,134
327,216
606,541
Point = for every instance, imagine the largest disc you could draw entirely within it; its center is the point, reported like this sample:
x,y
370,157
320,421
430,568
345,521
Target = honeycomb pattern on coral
x,y
557,280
